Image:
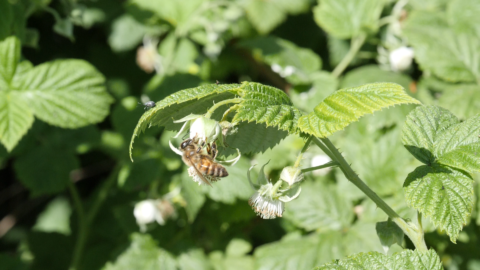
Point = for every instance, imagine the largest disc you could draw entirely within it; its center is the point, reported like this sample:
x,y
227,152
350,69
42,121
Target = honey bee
x,y
203,165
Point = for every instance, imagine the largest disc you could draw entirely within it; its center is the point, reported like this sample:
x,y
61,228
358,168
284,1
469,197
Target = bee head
x,y
186,143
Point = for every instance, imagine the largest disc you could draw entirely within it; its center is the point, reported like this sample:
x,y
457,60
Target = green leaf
x,y
323,85
320,207
461,99
13,20
45,170
260,104
15,119
421,129
283,55
55,217
65,93
9,262
444,194
9,58
462,16
348,18
389,234
455,58
143,253
194,259
408,260
127,33
317,248
51,250
433,134
192,196
347,105
266,15
459,145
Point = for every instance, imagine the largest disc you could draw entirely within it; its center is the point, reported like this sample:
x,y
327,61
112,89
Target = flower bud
x,y
291,175
401,58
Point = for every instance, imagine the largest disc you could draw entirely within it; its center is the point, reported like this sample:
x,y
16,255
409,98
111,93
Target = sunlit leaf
x,y
347,105
15,119
65,93
348,18
408,260
443,194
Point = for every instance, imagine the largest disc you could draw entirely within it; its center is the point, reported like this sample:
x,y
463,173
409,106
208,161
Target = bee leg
x,y
214,151
200,147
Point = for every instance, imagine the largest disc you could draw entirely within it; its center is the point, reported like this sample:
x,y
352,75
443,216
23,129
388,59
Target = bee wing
x,y
199,173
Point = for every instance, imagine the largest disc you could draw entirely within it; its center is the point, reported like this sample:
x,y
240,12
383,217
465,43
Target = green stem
x,y
326,165
82,227
355,46
320,144
102,194
221,103
409,228
304,149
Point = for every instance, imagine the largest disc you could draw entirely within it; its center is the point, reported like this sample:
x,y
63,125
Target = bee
x,y
203,165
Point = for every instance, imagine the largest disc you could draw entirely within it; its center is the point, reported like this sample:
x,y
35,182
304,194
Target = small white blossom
x,y
148,211
291,175
148,57
401,58
264,205
283,72
319,160
268,201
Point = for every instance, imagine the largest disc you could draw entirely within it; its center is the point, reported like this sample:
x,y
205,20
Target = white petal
x,y
174,149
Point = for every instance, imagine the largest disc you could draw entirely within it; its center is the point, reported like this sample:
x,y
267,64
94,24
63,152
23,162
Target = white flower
x,y
148,57
291,175
146,212
320,160
204,129
264,205
268,201
401,58
283,72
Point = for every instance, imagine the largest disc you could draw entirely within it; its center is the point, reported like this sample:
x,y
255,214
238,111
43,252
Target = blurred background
x,y
67,195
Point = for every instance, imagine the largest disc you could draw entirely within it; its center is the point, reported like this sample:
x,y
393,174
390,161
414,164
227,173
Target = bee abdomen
x,y
220,172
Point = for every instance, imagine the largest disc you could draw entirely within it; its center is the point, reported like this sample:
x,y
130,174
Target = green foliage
x,y
347,105
407,259
346,19
143,253
442,189
455,58
65,93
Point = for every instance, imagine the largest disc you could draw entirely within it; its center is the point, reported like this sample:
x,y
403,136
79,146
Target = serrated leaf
x,y
459,145
348,18
444,194
44,170
65,93
408,260
143,253
320,207
347,105
15,119
433,134
260,104
421,129
455,59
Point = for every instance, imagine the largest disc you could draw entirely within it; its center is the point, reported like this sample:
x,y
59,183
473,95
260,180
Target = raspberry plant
x,y
350,130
